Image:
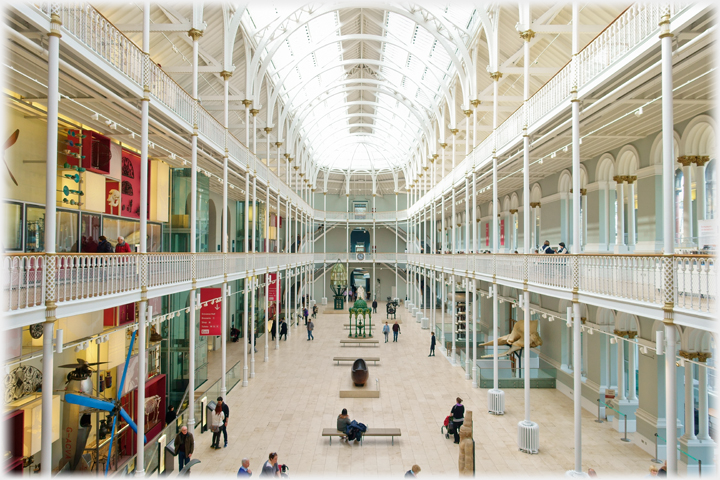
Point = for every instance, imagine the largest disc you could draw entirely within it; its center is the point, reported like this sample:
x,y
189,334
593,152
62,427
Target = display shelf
x,y
460,321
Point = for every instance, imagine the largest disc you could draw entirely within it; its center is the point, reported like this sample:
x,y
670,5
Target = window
x,y
13,227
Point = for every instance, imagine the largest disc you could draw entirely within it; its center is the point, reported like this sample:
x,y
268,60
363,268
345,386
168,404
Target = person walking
x,y
310,327
170,415
283,329
432,344
184,446
245,469
217,418
413,472
374,305
226,415
273,329
458,417
396,331
104,246
269,468
386,331
305,315
122,247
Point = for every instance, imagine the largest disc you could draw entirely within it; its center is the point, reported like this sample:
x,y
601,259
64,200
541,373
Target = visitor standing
x,y
310,327
305,315
562,248
226,415
386,331
432,344
245,469
396,331
184,446
458,417
122,247
170,415
273,329
269,468
104,246
374,305
283,329
217,417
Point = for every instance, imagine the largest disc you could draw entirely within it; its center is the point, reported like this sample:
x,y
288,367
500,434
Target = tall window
x,y
710,190
679,207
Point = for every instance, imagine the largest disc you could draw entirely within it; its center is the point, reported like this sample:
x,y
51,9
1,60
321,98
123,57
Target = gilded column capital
x,y
454,131
444,145
527,35
685,160
278,144
468,113
195,34
496,76
226,75
475,103
703,356
701,160
254,111
247,103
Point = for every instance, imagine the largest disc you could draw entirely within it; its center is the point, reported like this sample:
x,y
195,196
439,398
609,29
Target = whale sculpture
x,y
516,338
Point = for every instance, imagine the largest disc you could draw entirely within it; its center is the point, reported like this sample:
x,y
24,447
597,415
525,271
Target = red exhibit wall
x,y
126,314
130,185
111,185
153,386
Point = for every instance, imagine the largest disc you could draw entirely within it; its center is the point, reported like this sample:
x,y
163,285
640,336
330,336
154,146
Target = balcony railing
x,y
691,280
29,281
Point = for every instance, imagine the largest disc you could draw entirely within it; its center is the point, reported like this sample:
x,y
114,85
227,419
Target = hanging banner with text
x,y
210,314
487,234
273,288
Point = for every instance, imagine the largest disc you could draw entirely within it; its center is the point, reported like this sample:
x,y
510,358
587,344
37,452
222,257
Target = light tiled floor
x,y
296,394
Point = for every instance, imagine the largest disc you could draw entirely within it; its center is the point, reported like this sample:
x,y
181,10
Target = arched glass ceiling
x,y
363,85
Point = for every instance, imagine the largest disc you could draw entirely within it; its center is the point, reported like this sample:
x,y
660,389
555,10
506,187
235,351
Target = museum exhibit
x,y
360,239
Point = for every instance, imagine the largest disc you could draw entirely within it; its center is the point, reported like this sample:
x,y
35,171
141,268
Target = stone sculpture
x,y
516,338
466,458
360,372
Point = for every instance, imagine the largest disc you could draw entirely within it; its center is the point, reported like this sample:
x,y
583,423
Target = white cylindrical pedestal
x,y
528,437
324,300
425,323
496,402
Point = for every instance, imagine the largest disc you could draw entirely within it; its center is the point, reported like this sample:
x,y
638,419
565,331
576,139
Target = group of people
x,y
106,247
395,330
271,467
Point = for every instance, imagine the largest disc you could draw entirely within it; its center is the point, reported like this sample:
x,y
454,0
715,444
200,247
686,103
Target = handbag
x,y
214,428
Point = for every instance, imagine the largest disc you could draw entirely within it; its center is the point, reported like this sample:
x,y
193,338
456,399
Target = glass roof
x,y
363,85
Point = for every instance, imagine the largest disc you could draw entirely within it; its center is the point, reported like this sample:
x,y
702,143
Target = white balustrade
x,y
510,266
169,268
550,270
209,265
633,277
696,280
80,276
23,282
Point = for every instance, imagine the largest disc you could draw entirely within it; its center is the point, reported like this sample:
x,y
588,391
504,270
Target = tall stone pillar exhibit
x,y
466,458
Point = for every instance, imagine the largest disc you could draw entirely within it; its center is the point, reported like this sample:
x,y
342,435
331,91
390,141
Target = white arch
x,y
656,149
536,193
628,159
699,137
564,182
514,201
605,170
627,322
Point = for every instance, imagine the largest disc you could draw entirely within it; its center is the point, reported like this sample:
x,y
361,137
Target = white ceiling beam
x,y
564,29
188,69
533,70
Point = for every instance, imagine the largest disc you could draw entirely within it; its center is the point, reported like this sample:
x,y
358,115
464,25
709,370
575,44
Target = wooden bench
x,y
371,432
352,359
360,341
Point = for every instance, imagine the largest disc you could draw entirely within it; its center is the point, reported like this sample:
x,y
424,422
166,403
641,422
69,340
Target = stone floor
x,y
296,394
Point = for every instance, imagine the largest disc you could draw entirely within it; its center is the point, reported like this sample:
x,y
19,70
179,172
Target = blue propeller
x,y
113,407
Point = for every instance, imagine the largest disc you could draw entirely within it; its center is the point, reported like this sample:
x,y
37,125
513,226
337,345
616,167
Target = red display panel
x,y
211,314
130,185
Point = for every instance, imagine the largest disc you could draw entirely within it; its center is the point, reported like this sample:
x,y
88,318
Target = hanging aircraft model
x,y
79,401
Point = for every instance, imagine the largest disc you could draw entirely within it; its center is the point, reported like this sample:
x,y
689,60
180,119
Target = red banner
x,y
211,314
273,288
487,234
502,232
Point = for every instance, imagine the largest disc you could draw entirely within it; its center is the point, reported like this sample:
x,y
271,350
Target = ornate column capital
x,y
527,35
454,131
254,112
226,75
496,76
513,210
685,160
534,204
475,103
268,129
468,113
247,103
444,145
195,34
278,144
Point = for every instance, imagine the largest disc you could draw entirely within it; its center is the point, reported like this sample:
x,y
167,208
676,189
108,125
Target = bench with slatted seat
x,y
352,359
371,432
360,341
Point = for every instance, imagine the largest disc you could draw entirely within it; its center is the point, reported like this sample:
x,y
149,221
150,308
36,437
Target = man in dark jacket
x,y
104,246
184,446
396,330
170,415
432,344
283,329
226,412
374,305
